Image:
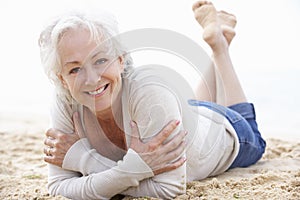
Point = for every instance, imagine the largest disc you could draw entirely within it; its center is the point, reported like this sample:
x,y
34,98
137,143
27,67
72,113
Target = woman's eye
x,y
74,70
100,61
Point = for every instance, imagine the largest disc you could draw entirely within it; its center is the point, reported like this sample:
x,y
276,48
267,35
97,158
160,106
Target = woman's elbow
x,y
171,193
53,187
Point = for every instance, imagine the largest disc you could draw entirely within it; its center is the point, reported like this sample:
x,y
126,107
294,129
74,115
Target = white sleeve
x,y
82,158
102,185
152,106
99,174
165,186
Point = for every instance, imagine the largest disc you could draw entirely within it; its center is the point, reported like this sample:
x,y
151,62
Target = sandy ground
x,y
23,174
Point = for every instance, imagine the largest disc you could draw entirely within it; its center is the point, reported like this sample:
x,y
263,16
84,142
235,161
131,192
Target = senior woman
x,y
121,130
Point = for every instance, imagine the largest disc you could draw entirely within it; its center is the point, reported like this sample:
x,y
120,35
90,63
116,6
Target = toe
x,y
226,18
198,4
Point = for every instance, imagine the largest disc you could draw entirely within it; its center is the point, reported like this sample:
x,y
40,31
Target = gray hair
x,y
102,27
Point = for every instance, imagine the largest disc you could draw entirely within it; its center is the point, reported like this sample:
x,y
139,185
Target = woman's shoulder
x,y
153,71
157,77
63,104
62,111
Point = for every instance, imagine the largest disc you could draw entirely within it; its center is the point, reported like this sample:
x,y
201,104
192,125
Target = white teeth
x,y
97,91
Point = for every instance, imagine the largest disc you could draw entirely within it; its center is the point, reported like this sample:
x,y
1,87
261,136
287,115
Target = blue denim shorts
x,y
242,118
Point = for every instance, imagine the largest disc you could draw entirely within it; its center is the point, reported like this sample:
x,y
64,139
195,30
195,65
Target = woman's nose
x,y
92,77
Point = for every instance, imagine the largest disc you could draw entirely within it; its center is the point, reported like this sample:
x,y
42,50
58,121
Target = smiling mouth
x,y
99,91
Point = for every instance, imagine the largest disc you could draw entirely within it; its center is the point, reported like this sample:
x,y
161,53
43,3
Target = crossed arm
x,y
147,169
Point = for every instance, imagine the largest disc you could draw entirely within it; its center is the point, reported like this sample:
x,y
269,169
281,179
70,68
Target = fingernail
x,y
185,132
177,122
132,124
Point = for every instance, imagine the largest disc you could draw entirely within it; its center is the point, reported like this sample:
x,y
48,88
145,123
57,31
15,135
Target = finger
x,y
49,142
173,155
135,135
176,145
165,132
47,151
48,159
78,125
53,133
171,166
52,160
176,141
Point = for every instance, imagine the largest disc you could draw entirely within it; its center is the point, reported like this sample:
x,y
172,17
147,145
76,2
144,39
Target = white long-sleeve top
x,y
152,97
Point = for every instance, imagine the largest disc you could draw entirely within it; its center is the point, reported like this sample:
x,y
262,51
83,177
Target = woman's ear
x,y
122,63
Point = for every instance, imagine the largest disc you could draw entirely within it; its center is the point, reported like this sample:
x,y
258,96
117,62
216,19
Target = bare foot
x,y
218,26
228,22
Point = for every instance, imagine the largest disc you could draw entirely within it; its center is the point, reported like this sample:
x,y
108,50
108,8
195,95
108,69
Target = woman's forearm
x,y
99,185
88,174
81,157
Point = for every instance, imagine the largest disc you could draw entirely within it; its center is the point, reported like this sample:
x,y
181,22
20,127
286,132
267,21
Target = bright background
x,y
265,52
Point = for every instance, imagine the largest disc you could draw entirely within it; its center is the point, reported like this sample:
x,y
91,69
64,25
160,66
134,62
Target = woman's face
x,y
91,75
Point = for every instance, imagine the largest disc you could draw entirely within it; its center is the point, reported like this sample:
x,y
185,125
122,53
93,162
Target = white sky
x,y
267,38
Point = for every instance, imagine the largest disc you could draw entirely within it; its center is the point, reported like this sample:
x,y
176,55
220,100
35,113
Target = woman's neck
x,y
111,122
113,129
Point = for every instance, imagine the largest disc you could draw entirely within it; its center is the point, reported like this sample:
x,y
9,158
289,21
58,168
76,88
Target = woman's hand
x,y
158,154
57,145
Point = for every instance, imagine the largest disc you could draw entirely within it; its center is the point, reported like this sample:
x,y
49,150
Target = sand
x,y
23,173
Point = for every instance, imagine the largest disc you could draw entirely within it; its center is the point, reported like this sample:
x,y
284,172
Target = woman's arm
x,y
98,174
70,152
152,105
101,183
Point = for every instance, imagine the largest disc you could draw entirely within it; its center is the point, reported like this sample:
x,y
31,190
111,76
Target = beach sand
x,y
23,173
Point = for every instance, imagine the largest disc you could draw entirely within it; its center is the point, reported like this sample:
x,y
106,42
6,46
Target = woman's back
x,y
154,95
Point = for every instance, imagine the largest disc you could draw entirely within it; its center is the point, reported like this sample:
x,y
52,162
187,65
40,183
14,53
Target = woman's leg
x,y
226,90
220,83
